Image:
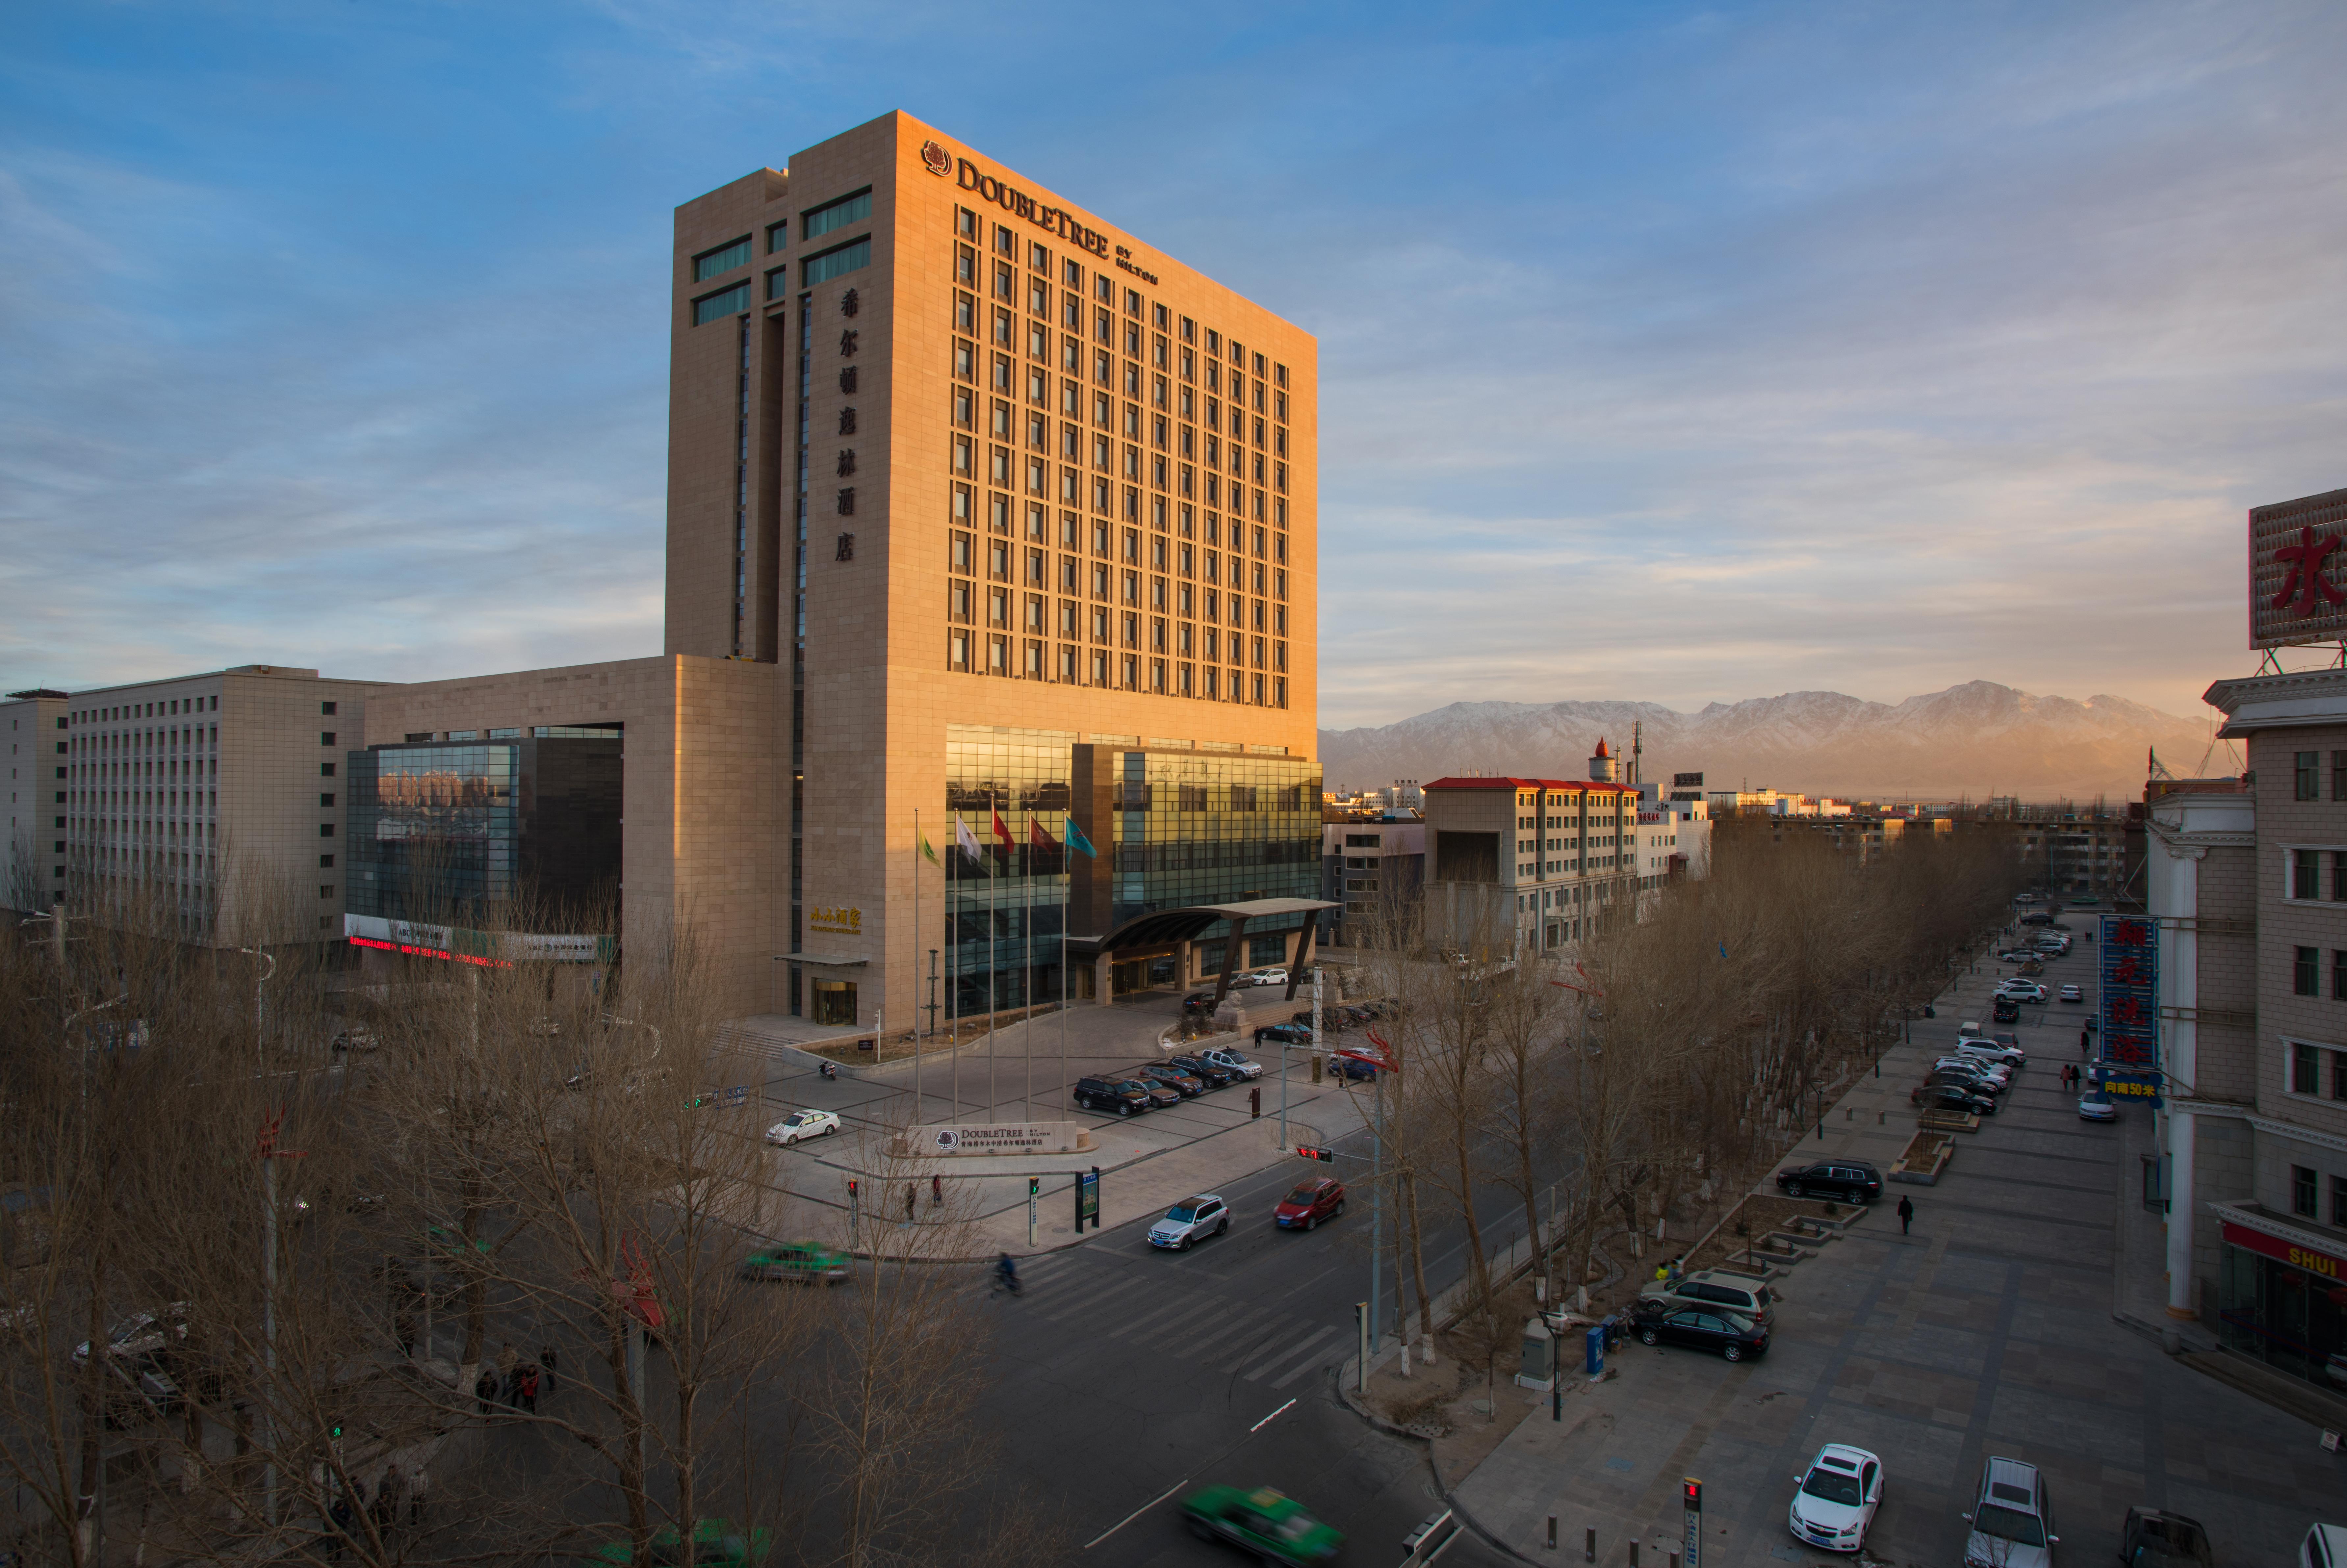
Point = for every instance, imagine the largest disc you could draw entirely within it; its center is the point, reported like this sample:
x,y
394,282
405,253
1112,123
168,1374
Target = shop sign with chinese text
x,y
2130,1006
2298,571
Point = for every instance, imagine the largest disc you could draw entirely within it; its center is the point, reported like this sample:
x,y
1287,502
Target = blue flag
x,y
1076,839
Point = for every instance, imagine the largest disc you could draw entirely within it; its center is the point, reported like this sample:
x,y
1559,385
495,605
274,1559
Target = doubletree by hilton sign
x,y
1052,221
2298,571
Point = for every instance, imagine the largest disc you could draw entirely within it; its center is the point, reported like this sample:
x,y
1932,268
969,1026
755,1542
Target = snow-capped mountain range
x,y
1978,739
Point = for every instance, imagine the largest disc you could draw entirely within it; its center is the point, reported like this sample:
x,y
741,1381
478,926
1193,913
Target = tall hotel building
x,y
983,515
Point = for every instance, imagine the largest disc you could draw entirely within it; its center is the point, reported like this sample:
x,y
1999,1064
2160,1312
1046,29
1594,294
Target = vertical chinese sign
x,y
2130,1018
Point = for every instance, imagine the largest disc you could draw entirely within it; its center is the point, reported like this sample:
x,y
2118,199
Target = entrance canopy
x,y
1167,927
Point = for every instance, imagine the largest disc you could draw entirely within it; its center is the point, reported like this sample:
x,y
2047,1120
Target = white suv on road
x,y
1231,1061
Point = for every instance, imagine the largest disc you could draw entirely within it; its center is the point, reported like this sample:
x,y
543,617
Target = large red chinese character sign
x,y
2298,571
2130,1020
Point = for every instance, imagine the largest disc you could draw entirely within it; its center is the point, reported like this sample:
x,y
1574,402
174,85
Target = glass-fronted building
x,y
510,831
1171,824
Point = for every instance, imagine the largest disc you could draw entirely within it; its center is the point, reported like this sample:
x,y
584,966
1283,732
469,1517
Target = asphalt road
x,y
1129,1375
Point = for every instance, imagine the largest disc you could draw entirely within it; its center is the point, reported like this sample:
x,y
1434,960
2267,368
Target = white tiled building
x,y
32,857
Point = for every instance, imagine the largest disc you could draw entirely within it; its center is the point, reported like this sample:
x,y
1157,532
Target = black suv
x,y
1950,1097
1853,1181
1212,1074
1119,1095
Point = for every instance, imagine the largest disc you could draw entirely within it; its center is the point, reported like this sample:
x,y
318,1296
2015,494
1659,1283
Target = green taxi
x,y
715,1544
1272,1525
806,1262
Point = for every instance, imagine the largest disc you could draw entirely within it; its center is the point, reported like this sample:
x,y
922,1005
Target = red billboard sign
x,y
2307,1258
2298,571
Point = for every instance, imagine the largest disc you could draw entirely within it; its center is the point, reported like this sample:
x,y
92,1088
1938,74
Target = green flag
x,y
927,854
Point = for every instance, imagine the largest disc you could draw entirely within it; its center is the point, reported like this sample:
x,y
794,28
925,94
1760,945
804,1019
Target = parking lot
x,y
1987,1331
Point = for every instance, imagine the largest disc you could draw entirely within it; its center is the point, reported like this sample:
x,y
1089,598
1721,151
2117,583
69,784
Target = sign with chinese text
x,y
2297,1256
2298,571
2130,1003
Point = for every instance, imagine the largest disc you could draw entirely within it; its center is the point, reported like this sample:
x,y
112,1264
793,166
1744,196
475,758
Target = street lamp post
x,y
268,1257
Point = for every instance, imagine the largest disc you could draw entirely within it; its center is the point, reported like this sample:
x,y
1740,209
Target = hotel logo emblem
x,y
936,158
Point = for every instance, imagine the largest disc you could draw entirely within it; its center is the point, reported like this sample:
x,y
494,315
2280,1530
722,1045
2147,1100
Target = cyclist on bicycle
x,y
1005,1269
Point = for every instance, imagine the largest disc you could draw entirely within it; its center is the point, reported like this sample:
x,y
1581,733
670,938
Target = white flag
x,y
967,842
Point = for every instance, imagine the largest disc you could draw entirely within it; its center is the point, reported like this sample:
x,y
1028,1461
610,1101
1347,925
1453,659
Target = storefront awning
x,y
1167,927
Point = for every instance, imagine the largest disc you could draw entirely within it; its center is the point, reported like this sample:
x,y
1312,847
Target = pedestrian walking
x,y
528,1391
2085,1038
418,1480
379,1507
484,1389
937,1192
1906,1213
546,1361
392,1495
908,1202
509,1379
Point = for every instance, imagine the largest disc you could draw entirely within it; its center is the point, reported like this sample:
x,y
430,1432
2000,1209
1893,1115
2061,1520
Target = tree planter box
x,y
1926,1156
1948,1121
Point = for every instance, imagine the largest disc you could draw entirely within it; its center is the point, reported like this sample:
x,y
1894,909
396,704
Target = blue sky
x,y
1668,353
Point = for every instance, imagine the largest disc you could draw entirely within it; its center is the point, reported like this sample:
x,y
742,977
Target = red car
x,y
1310,1203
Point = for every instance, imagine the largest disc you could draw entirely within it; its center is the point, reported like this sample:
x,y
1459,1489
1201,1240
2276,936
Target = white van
x,y
2325,1547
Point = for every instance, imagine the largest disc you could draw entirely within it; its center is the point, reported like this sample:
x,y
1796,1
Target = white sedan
x,y
800,1125
1839,1494
2073,994
2098,1107
1269,977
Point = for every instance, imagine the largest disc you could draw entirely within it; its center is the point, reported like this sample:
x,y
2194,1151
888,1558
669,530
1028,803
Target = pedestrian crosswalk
x,y
1128,1301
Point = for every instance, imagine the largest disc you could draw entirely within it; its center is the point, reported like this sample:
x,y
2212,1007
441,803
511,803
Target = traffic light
x,y
335,1431
1694,1491
1034,1186
851,1188
1307,1152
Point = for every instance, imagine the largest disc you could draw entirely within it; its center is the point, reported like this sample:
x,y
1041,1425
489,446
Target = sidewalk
x,y
1987,1331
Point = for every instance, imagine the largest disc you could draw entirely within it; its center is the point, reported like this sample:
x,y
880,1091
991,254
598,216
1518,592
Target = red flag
x,y
1036,837
1001,831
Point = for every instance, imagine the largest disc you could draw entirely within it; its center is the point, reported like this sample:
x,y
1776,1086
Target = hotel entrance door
x,y
834,1002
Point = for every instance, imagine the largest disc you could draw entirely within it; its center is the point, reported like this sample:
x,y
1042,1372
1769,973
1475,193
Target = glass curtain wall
x,y
433,831
1003,911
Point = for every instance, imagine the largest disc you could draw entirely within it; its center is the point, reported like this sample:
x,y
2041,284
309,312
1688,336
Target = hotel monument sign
x,y
2298,571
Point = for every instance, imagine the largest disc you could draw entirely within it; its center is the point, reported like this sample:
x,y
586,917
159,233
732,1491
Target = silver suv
x,y
1745,1297
2011,1519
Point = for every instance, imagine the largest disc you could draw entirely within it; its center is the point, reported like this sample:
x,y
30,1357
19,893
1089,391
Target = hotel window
x,y
1132,671
998,656
2302,1182
2306,874
957,600
778,281
723,259
2306,775
1034,661
965,360
964,313
2305,970
1002,373
854,208
827,265
1100,668
777,235
1068,665
721,304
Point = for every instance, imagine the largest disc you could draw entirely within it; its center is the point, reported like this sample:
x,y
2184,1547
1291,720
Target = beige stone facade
x,y
33,855
1008,464
213,801
1516,864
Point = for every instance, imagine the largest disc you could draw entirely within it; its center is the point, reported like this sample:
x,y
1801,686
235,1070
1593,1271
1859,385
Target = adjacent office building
x,y
32,857
213,804
991,610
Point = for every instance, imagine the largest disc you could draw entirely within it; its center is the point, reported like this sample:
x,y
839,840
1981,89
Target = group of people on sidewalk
x,y
515,1383
396,1503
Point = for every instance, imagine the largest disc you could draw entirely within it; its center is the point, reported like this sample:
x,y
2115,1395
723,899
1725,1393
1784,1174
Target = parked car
x,y
2011,1519
1186,1085
1852,1181
1717,1287
1703,1327
2325,1547
1223,1056
1952,1097
2017,956
1267,1525
1352,1066
799,1262
1214,1073
2098,1107
2071,994
1996,1048
1121,1095
1267,978
1993,1076
1284,1033
1965,1029
2005,1009
800,1125
1836,1497
1191,1220
1964,1082
2036,917
1310,1204
2022,991
2085,901
1160,1095
2154,1538
1198,1001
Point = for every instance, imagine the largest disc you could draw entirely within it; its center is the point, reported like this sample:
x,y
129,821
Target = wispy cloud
x,y
1668,353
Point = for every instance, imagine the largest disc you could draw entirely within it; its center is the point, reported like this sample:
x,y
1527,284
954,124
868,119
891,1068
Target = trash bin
x,y
1593,1362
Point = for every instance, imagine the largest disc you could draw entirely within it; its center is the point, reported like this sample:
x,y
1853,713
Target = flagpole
x,y
953,980
917,967
1027,952
993,962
